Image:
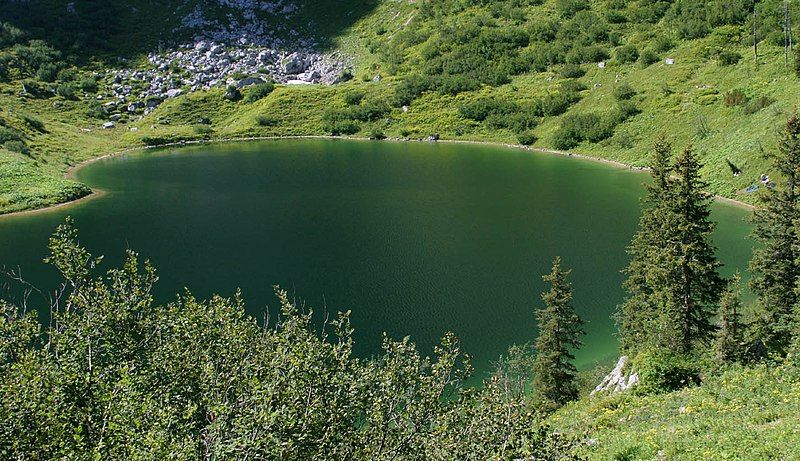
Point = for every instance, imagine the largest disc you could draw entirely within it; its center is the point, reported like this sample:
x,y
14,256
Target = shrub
x,y
572,86
555,103
627,54
480,109
572,71
96,110
623,92
568,8
663,372
735,98
66,91
67,75
47,72
33,122
353,98
203,130
88,84
260,91
648,58
377,135
8,134
369,111
526,138
729,58
16,146
563,140
757,104
266,120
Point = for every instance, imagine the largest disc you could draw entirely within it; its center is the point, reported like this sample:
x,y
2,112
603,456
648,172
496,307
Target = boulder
x,y
249,81
621,378
293,64
174,93
109,125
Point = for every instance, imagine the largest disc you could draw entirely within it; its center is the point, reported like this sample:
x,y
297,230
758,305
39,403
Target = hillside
x,y
599,78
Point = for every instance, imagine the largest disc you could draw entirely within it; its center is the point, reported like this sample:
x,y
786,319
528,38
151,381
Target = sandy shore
x,y
96,193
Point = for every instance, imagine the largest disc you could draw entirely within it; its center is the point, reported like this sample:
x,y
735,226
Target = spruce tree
x,y
636,313
697,286
559,331
729,343
775,267
673,282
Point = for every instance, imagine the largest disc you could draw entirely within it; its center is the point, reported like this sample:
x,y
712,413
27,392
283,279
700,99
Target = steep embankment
x,y
598,78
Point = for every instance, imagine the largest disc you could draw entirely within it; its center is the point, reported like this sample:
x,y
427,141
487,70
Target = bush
x,y
527,138
568,8
88,84
48,72
572,86
66,91
96,110
33,122
260,91
572,71
648,58
8,134
735,98
203,130
369,111
353,98
377,135
555,103
16,146
627,54
623,92
729,58
67,75
266,120
663,372
757,104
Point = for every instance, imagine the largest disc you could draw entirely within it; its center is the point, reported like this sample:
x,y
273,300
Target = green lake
x,y
415,238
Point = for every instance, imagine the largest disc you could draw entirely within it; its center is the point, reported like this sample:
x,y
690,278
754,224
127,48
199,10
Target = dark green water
x,y
416,239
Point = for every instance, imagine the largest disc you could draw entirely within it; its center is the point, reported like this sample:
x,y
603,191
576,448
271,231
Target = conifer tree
x,y
697,286
559,331
673,282
775,266
729,343
636,313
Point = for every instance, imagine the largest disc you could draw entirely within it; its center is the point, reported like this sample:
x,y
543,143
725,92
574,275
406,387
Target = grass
x,y
738,414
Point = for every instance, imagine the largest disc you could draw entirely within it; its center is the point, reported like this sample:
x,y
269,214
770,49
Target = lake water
x,y
415,238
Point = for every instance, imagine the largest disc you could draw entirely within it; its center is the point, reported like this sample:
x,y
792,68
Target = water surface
x,y
416,239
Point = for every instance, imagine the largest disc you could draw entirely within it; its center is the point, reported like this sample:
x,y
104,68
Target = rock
x,y
433,137
617,381
293,64
249,81
376,78
201,46
109,125
114,117
233,94
153,102
174,93
216,49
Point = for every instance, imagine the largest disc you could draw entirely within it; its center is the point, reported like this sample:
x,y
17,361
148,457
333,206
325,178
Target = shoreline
x,y
97,193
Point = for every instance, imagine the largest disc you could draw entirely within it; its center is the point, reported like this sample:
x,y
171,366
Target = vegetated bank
x,y
597,78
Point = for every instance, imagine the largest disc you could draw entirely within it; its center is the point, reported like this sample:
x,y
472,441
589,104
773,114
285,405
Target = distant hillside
x,y
600,78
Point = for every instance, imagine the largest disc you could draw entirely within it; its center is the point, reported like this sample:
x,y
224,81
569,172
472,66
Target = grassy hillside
x,y
740,413
515,72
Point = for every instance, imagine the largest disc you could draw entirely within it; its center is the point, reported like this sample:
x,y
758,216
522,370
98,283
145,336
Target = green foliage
x,y
735,97
673,283
66,91
560,328
661,371
33,122
266,120
627,54
757,104
258,92
571,71
623,92
117,376
354,98
87,84
527,138
775,267
729,344
729,58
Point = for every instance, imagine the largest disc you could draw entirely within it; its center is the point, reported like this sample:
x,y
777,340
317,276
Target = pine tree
x,y
673,282
775,266
636,313
697,286
729,343
559,331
